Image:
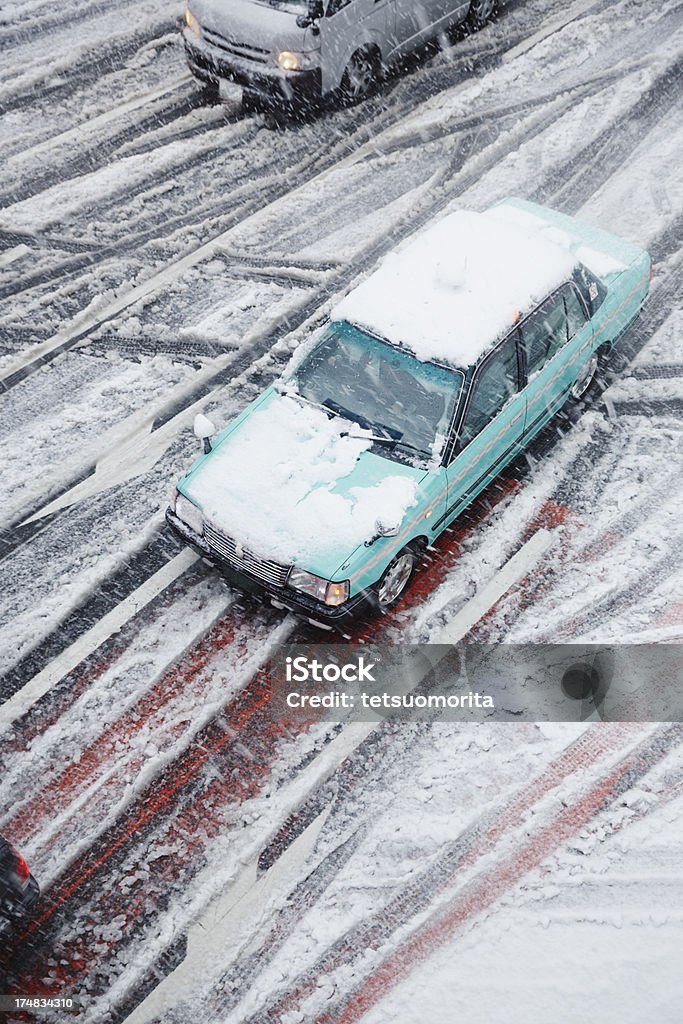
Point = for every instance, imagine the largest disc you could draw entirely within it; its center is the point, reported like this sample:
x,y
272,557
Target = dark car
x,y
18,888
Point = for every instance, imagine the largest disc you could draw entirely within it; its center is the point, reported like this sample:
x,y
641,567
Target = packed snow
x,y
282,484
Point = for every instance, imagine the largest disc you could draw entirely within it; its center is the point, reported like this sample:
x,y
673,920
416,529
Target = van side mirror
x,y
204,430
314,13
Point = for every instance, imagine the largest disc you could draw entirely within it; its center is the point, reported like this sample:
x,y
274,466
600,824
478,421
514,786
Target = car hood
x,y
253,24
284,483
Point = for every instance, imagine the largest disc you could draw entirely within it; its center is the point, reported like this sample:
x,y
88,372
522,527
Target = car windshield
x,y
407,404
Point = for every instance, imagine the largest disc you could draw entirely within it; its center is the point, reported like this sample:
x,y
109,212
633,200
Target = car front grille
x,y
262,568
241,50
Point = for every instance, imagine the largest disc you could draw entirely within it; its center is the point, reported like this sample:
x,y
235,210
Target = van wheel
x,y
395,579
361,77
480,13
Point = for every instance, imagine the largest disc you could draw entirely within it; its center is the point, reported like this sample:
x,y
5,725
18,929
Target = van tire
x,y
360,77
480,14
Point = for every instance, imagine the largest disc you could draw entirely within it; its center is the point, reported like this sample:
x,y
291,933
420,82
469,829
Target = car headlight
x,y
189,514
332,594
192,23
288,60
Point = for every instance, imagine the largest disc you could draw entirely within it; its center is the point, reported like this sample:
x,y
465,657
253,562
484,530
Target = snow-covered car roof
x,y
458,286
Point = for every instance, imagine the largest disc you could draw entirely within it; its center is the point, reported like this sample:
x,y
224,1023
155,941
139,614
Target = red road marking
x,y
251,707
477,897
595,743
673,616
61,790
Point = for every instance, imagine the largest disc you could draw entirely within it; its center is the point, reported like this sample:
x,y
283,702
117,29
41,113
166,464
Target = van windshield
x,y
403,401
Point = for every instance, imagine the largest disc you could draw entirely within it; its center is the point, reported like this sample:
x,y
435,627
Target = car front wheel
x,y
395,579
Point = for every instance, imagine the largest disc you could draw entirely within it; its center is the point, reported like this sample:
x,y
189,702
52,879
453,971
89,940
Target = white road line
x,y
69,659
519,566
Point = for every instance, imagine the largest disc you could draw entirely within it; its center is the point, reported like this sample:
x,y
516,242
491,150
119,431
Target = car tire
x,y
361,77
480,13
395,579
584,382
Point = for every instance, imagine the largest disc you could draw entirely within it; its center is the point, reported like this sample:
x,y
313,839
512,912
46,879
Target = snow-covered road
x,y
159,257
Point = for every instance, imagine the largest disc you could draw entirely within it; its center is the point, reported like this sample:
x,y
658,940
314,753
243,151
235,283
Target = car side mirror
x,y
387,529
383,530
204,429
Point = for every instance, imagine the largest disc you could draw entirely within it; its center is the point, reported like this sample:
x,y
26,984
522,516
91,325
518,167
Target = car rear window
x,y
591,287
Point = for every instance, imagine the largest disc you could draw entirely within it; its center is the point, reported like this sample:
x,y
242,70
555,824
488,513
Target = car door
x,y
557,342
347,26
491,428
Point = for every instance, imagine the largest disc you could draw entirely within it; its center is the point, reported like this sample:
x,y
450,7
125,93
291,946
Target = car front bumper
x,y
284,597
275,88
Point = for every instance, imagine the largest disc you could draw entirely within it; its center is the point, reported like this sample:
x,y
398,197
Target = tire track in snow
x,y
227,761
488,885
90,156
310,169
88,70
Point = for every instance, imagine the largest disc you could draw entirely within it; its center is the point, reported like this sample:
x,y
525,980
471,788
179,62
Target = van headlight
x,y
288,60
192,23
189,514
332,594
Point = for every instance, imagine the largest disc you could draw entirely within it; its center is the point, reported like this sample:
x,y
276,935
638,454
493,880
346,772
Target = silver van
x,y
293,53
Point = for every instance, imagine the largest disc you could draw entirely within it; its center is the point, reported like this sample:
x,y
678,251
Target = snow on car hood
x,y
286,484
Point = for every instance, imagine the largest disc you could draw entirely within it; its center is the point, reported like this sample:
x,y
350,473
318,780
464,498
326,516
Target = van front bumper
x,y
285,597
274,87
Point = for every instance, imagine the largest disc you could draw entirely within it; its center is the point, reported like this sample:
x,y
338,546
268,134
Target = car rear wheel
x,y
361,77
480,13
395,579
586,379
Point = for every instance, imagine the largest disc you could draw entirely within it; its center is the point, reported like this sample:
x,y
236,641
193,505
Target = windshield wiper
x,y
390,437
384,439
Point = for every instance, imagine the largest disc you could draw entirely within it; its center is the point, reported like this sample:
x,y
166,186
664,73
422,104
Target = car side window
x,y
336,5
494,384
552,325
576,315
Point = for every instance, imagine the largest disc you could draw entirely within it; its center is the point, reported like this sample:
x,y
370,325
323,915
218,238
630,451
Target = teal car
x,y
431,376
